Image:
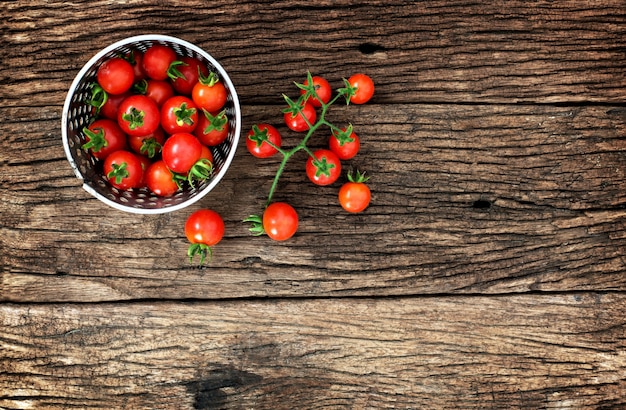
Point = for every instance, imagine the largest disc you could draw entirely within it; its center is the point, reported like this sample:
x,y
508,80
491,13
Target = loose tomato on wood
x,y
204,228
258,138
354,195
324,169
138,115
280,221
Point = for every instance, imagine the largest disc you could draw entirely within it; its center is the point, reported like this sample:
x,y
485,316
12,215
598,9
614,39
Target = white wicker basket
x,y
77,114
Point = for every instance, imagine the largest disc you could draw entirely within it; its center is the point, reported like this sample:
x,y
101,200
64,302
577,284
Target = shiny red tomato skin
x,y
280,221
144,124
364,88
210,97
297,122
111,106
205,227
181,151
333,165
189,70
159,179
322,89
116,75
159,91
215,136
171,122
133,168
354,197
157,60
346,151
264,150
157,139
115,138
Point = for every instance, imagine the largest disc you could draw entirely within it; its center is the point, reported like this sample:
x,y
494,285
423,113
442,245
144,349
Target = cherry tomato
x,y
325,169
157,90
256,141
159,62
116,75
112,104
160,180
212,130
179,114
135,57
354,195
138,115
123,170
322,89
206,154
364,88
204,228
104,136
145,164
280,221
209,93
190,70
147,145
345,145
297,122
181,151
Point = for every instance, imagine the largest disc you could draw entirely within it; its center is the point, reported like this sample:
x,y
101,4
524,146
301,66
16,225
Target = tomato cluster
x,y
323,166
157,116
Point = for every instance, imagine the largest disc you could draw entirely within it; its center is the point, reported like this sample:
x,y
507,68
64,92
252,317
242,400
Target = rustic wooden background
x,y
488,272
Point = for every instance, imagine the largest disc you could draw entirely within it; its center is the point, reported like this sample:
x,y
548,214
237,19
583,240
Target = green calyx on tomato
x,y
119,172
184,114
98,97
172,71
134,118
201,170
216,122
344,136
208,80
97,141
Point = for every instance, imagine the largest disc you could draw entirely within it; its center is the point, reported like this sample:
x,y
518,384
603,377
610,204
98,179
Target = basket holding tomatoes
x,y
157,118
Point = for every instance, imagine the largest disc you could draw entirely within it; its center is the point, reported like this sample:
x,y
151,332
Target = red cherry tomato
x,y
297,122
123,170
325,169
354,195
322,89
364,88
135,57
160,180
179,114
112,104
189,70
256,141
158,90
345,145
209,93
104,136
116,75
280,221
181,151
157,62
138,115
204,228
147,145
212,129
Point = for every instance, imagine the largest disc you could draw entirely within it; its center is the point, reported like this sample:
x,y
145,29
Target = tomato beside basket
x,y
77,114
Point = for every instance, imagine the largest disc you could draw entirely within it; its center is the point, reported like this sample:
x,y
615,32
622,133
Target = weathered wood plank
x,y
514,352
466,199
440,51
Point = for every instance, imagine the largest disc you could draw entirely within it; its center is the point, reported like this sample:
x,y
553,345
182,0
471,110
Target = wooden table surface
x,y
489,272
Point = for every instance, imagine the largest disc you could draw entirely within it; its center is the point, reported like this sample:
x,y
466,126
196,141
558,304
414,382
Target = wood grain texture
x,y
439,51
466,199
517,352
